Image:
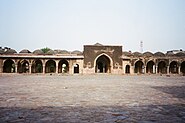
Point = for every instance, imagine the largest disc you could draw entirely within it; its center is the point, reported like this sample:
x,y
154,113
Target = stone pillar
x,y
179,70
16,68
131,69
153,69
156,68
43,67
30,68
168,69
144,70
70,67
57,66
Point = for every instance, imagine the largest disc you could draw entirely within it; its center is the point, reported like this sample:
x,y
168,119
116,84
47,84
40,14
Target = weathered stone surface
x,y
92,98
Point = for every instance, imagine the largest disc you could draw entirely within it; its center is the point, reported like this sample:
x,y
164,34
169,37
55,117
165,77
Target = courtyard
x,y
100,98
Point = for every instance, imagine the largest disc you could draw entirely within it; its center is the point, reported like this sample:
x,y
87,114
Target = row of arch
x,y
37,66
162,67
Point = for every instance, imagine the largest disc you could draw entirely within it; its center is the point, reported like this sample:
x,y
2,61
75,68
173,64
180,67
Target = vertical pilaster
x,y
156,68
179,70
168,69
30,68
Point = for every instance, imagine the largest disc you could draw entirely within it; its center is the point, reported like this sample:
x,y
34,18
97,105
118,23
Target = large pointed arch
x,y
103,63
50,66
37,66
9,66
23,66
150,67
63,66
174,67
139,67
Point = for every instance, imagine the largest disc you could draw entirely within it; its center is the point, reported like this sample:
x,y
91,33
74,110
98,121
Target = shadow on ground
x,y
109,114
175,91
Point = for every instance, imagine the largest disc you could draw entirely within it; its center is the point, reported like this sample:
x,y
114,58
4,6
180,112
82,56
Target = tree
x,y
45,50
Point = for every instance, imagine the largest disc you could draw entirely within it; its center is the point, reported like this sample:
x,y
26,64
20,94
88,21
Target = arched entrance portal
x,y
23,66
150,67
37,66
50,66
76,68
9,66
127,69
103,64
63,66
183,67
173,67
139,67
162,67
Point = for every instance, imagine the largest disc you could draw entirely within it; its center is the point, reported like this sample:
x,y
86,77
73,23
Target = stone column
x,y
168,69
30,68
16,68
179,70
43,67
156,68
56,65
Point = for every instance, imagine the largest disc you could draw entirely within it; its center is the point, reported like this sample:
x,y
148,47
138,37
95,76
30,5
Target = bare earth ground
x,y
92,98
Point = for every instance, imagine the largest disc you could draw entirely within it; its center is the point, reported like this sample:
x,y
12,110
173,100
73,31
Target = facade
x,y
96,58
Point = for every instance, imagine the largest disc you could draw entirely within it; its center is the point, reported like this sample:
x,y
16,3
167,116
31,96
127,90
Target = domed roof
x,y
98,44
38,52
77,52
137,54
25,51
170,54
1,51
148,54
50,52
10,51
127,53
180,54
62,52
159,54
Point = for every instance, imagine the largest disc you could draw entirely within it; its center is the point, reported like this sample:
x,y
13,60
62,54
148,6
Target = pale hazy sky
x,y
70,24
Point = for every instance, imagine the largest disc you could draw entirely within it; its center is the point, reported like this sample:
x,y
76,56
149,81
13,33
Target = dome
x,y
24,51
50,52
180,54
61,52
170,54
137,54
1,51
148,54
98,44
159,54
38,52
127,53
77,52
10,51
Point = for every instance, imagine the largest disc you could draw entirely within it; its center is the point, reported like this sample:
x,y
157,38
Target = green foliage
x,y
45,50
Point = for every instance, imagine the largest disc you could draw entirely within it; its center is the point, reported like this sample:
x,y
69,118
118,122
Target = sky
x,y
70,24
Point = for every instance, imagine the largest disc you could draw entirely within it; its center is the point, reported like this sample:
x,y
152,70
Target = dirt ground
x,y
92,98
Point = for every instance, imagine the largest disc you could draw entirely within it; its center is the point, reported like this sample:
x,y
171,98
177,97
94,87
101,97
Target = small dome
x,y
148,54
170,54
61,52
10,51
50,52
24,51
127,53
98,44
38,52
137,54
1,51
77,52
159,54
180,54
